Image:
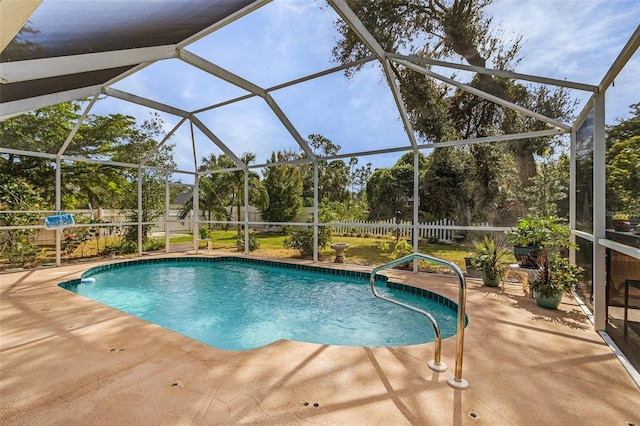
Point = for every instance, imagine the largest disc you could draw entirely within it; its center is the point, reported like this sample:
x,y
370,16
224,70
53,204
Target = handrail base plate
x,y
437,367
462,384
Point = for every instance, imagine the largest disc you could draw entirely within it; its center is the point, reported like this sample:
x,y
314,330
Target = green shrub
x,y
254,244
383,245
402,249
302,240
153,244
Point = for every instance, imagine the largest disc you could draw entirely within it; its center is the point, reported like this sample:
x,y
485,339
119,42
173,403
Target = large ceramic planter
x,y
490,280
527,256
549,302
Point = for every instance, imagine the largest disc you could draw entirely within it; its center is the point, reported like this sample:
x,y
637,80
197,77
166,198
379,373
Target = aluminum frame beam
x,y
229,77
483,94
208,133
163,141
486,139
345,12
621,60
11,109
224,22
75,129
288,84
125,96
499,73
12,72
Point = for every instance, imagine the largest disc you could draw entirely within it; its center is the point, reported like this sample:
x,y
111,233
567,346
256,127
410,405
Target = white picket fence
x,y
402,228
430,230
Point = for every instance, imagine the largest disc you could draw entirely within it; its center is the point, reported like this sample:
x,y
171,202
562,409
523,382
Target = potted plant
x,y
621,222
488,259
557,276
532,235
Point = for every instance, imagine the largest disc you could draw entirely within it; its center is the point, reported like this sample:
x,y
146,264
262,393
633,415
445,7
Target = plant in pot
x,y
532,235
557,276
621,222
488,259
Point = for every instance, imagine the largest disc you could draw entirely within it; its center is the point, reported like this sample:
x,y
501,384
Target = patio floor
x,y
65,359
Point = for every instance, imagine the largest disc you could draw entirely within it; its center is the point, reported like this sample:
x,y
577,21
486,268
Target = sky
x,y
577,40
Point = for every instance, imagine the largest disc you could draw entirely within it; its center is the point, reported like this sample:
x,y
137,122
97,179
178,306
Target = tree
x,y
257,193
283,185
390,189
358,178
114,137
140,142
550,187
222,190
442,30
19,195
444,186
333,177
623,165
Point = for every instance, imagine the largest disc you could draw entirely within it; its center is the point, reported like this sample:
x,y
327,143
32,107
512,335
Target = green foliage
x,y
283,185
623,165
114,137
489,256
153,244
401,249
302,240
71,241
333,176
383,245
549,186
124,247
558,277
543,232
462,30
389,189
19,195
446,185
254,243
204,232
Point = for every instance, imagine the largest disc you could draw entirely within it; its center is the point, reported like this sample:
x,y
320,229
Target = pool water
x,y
239,306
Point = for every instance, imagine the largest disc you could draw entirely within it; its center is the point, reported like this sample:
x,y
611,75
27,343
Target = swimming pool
x,y
238,303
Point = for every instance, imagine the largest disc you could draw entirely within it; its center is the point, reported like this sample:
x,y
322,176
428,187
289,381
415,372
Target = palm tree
x,y
235,179
219,191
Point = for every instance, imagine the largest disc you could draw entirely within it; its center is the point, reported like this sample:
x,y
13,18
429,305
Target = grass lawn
x,y
361,251
364,251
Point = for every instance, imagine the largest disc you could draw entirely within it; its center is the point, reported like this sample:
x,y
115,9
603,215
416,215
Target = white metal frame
x,y
141,58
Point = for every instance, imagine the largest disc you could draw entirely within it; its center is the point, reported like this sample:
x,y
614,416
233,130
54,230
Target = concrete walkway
x,y
65,359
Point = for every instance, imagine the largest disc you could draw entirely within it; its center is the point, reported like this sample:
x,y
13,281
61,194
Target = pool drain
x,y
306,404
116,350
474,415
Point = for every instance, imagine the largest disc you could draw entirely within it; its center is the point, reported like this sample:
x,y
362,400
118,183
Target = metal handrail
x,y
457,381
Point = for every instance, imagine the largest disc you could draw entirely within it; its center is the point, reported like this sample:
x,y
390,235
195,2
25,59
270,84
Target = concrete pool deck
x,y
65,359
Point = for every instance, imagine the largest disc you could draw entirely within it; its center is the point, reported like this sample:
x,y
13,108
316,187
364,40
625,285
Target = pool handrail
x,y
457,381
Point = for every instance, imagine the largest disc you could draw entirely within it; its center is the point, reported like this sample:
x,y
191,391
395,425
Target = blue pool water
x,y
238,305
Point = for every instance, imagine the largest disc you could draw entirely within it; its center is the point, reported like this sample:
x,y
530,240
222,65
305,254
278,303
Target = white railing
x,y
427,230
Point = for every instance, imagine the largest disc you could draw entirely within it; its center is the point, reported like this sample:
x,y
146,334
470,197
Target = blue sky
x,y
575,40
